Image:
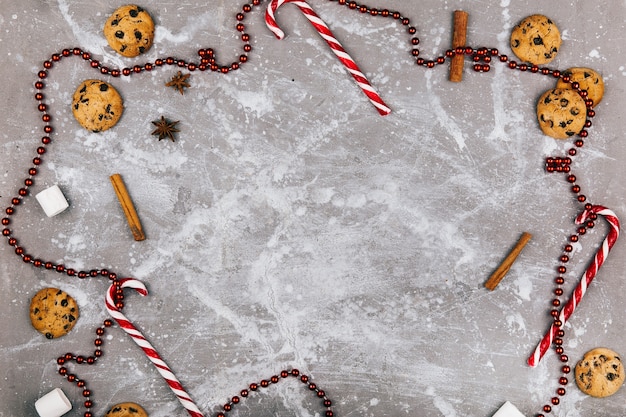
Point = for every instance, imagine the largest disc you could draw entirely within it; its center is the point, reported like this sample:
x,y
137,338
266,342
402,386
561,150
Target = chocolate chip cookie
x,y
129,30
97,106
600,372
126,410
561,113
53,312
587,79
536,39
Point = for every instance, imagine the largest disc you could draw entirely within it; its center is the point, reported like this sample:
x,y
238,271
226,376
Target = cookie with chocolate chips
x,y
53,312
561,113
600,373
536,39
587,79
129,30
96,105
126,410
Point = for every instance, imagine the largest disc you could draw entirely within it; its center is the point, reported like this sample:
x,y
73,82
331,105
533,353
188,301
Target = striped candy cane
x,y
582,286
141,341
334,44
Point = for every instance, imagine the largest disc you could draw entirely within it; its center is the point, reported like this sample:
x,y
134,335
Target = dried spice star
x,y
179,82
165,128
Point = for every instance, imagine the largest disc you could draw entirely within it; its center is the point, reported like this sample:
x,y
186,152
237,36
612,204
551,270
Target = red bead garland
x,y
482,57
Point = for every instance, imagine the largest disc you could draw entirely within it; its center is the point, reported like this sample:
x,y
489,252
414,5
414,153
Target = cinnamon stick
x,y
504,267
459,38
128,207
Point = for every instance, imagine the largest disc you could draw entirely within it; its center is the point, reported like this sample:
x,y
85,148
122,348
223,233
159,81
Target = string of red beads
x,y
482,58
265,383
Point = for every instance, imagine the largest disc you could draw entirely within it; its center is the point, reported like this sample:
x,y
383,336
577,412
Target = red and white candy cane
x,y
143,343
582,286
334,44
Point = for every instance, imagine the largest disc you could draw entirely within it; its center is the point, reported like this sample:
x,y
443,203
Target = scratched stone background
x,y
290,225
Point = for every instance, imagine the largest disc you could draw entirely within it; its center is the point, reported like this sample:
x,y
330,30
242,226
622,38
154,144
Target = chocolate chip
x,y
115,22
142,49
537,40
138,35
49,336
134,13
71,318
104,87
119,34
611,376
586,74
564,102
84,89
36,310
574,111
515,43
108,108
64,302
563,124
133,410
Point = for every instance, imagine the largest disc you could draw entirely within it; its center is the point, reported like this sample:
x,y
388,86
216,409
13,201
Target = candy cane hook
x,y
334,44
582,286
148,349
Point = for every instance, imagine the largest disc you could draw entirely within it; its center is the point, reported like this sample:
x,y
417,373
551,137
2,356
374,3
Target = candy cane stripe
x,y
334,44
147,348
583,285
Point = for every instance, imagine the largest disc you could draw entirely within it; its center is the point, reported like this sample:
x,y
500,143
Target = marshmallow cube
x,y
52,201
508,410
53,404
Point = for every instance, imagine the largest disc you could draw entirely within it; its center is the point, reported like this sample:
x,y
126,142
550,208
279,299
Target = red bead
x,y
563,358
88,414
284,374
62,371
71,377
547,408
80,383
108,323
561,391
563,380
566,370
558,292
581,198
558,323
295,372
265,383
329,413
312,386
86,393
10,211
235,400
244,393
304,378
573,238
88,404
254,387
274,379
91,360
227,407
555,401
327,403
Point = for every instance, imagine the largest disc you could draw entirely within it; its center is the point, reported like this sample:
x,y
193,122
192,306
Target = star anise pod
x,y
179,82
165,128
